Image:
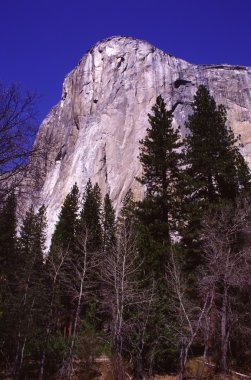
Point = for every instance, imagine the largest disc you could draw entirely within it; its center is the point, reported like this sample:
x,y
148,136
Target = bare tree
x,y
55,265
226,274
140,324
123,292
190,315
17,130
80,284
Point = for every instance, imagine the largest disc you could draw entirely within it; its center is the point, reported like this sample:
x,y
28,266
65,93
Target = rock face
x,y
93,132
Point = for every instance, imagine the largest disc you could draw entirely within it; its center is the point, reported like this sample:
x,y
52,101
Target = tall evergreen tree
x,y
41,225
128,213
161,161
109,225
90,217
31,240
159,216
9,277
64,244
90,238
64,236
30,296
159,212
31,250
8,251
215,168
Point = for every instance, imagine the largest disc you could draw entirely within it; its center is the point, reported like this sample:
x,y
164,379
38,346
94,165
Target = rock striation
x,y
93,132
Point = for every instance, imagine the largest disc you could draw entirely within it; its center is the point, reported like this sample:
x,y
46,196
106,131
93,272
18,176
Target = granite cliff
x,y
93,132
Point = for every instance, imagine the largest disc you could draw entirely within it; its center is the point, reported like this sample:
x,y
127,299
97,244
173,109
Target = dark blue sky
x,y
42,40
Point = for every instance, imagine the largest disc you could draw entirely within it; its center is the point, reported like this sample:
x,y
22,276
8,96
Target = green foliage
x,y
9,276
161,162
133,314
64,244
109,225
159,213
90,217
8,249
159,217
32,295
31,243
67,225
25,303
215,167
215,170
57,349
128,211
158,155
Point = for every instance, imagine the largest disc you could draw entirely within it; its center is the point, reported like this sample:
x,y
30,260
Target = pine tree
x,y
159,218
31,247
218,179
65,244
159,212
109,225
9,277
215,166
161,160
30,299
90,217
215,169
41,225
8,251
31,242
90,244
128,212
65,233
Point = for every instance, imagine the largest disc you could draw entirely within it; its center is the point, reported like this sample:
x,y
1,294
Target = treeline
x,y
167,279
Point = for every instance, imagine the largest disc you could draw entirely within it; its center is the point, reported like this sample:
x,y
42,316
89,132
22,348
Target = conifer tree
x,y
215,168
31,250
128,213
66,228
159,212
109,225
8,251
64,244
90,244
9,277
41,225
161,161
159,217
31,295
90,217
31,242
156,349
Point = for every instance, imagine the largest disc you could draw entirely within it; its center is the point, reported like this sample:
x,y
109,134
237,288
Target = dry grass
x,y
104,366
195,370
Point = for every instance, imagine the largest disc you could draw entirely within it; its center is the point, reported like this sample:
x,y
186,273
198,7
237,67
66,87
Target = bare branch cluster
x,y
17,131
225,276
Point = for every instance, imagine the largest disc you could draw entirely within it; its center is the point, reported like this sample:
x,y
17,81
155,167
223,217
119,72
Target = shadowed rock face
x,y
93,132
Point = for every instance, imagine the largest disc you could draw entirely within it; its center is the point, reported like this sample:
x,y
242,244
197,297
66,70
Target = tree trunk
x,y
224,335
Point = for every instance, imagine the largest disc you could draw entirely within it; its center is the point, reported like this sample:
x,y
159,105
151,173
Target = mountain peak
x,y
118,44
121,40
94,130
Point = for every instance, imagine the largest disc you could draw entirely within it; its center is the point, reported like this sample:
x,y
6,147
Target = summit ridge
x,y
94,130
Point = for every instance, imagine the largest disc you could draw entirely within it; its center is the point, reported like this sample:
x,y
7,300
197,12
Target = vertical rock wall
x,y
93,132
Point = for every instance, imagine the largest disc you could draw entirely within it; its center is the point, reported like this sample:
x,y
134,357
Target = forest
x,y
165,280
